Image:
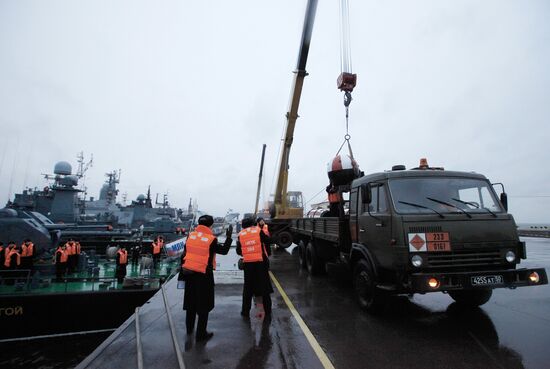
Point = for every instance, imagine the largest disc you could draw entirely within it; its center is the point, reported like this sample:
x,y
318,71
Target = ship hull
x,y
62,313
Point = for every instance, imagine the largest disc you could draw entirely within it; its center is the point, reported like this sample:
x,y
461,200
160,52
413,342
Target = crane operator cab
x,y
295,199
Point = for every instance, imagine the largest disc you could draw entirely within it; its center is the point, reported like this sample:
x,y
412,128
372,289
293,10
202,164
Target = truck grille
x,y
424,229
464,258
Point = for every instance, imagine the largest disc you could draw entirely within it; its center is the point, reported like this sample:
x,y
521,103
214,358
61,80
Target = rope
x,y
314,196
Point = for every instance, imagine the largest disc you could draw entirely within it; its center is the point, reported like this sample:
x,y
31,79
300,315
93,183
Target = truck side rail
x,y
326,228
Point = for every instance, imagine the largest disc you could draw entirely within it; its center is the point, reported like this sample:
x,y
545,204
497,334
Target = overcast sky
x,y
181,95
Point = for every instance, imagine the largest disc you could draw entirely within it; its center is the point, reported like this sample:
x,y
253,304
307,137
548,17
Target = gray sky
x,y
181,95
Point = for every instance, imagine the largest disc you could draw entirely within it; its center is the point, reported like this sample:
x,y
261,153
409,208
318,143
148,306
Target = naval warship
x,y
33,303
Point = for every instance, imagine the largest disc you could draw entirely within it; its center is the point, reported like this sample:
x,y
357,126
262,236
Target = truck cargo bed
x,y
326,228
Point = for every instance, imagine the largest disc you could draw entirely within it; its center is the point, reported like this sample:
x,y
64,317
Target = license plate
x,y
487,279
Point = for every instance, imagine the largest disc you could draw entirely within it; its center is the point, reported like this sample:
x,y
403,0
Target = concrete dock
x,y
317,324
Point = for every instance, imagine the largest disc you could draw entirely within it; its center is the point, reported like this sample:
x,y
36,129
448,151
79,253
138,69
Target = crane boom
x,y
282,209
259,181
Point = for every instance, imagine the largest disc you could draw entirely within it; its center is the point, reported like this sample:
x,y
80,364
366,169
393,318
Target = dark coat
x,y
256,275
199,287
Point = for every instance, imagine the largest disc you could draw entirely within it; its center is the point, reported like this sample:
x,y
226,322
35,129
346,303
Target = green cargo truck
x,y
417,231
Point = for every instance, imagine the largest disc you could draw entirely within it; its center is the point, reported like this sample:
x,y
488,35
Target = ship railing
x,y
14,280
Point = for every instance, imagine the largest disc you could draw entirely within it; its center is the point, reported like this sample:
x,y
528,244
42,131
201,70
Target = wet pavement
x,y
426,331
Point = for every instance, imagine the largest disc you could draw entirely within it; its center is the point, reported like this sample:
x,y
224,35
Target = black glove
x,y
229,231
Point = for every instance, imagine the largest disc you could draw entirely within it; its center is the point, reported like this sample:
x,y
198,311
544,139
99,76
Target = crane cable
x,y
347,80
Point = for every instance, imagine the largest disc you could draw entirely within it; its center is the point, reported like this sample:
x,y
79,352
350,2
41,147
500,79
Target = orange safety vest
x,y
197,250
64,255
27,250
334,197
251,244
266,230
123,260
7,250
156,247
7,262
70,248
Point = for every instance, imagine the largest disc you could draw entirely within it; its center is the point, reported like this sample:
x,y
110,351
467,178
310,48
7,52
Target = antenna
x,y
13,168
81,172
82,165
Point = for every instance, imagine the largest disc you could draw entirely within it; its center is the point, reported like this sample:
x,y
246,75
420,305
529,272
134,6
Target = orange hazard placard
x,y
438,241
437,237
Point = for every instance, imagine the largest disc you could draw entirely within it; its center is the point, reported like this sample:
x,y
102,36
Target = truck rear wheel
x,y
302,255
364,282
284,239
471,298
314,265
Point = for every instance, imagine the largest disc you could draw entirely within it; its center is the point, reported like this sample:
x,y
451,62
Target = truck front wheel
x,y
365,287
471,298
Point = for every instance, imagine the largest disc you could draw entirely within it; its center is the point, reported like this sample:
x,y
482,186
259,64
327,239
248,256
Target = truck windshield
x,y
443,195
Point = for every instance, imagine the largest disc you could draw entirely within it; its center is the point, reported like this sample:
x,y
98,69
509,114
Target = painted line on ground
x,y
323,358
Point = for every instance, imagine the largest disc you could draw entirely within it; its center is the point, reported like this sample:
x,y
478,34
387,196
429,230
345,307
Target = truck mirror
x,y
504,200
366,194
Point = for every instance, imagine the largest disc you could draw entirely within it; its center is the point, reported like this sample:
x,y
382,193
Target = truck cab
x,y
427,230
417,231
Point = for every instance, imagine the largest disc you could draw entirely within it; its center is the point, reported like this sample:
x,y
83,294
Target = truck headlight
x,y
417,261
534,277
510,256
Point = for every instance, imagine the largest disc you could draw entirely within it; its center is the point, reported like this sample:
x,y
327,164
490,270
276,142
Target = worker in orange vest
x,y
78,249
336,208
13,256
61,258
263,226
70,249
11,245
121,263
27,254
199,259
157,247
12,261
252,245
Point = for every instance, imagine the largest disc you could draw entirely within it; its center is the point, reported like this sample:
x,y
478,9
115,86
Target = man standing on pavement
x,y
253,246
200,261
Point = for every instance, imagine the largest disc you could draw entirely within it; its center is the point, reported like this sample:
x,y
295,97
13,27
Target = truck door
x,y
375,228
353,214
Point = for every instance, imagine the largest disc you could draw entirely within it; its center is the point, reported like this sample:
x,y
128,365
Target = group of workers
x,y
121,257
66,258
14,257
199,263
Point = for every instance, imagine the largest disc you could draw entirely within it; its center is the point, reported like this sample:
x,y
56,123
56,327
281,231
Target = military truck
x,y
417,231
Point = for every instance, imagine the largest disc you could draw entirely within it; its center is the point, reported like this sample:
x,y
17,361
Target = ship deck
x,y
83,281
